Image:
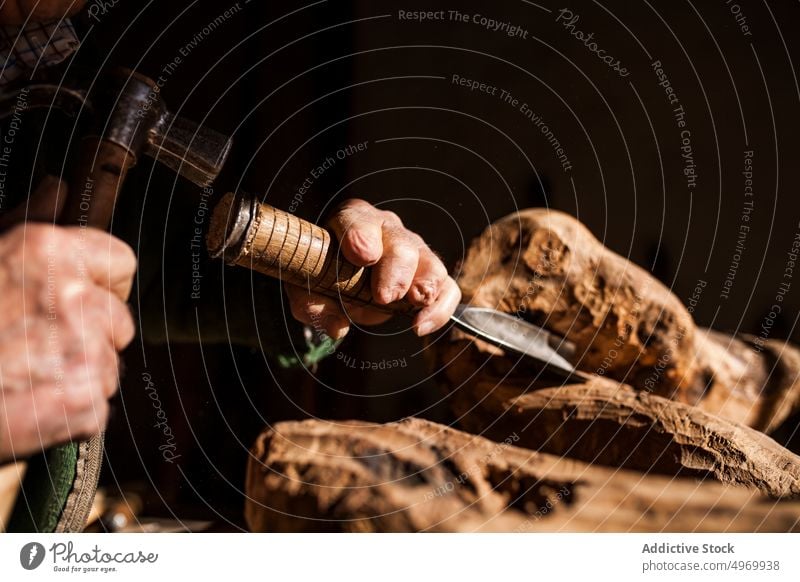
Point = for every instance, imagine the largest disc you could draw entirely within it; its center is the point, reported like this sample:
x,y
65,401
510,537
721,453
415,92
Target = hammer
x,y
127,120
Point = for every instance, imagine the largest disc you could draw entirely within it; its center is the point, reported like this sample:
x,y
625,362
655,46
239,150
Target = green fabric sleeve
x,y
47,483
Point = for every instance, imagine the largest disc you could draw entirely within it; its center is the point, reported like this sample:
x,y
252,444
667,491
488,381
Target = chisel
x,y
251,234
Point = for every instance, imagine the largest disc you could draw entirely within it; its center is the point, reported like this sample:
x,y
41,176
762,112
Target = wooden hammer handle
x,y
124,110
260,237
101,171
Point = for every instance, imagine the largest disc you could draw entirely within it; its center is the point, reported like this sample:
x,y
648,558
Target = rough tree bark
x,y
612,424
419,476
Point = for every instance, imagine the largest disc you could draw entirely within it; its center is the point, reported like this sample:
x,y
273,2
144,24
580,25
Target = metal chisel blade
x,y
516,335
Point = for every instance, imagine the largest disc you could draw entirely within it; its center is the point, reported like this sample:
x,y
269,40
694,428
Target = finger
x,y
19,433
108,261
37,419
312,308
393,274
364,315
95,364
359,228
80,253
119,321
76,395
428,280
93,312
434,316
322,313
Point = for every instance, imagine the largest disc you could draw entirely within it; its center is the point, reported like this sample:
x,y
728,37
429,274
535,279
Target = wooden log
x,y
612,424
546,267
753,382
667,399
416,475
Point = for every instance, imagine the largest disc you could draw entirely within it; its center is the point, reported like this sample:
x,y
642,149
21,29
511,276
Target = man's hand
x,y
402,267
63,319
18,12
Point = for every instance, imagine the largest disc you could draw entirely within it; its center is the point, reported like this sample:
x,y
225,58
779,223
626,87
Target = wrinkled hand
x,y
63,320
402,267
19,11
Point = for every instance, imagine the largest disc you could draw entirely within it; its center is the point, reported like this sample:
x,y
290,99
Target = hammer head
x,y
126,109
129,112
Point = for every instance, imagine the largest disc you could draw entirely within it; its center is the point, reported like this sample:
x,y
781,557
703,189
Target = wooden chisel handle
x,y
260,237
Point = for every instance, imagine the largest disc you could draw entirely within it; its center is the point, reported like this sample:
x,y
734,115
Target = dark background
x,y
296,82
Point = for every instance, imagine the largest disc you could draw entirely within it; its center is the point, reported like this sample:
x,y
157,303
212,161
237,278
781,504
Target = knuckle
x,y
126,329
355,204
35,235
125,259
77,399
128,333
71,289
112,383
92,352
100,387
349,213
414,239
435,268
360,241
111,369
101,413
100,354
428,284
39,241
404,255
391,218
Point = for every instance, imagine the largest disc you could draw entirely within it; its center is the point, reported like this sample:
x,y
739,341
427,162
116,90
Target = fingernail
x,y
426,293
425,327
388,295
335,326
